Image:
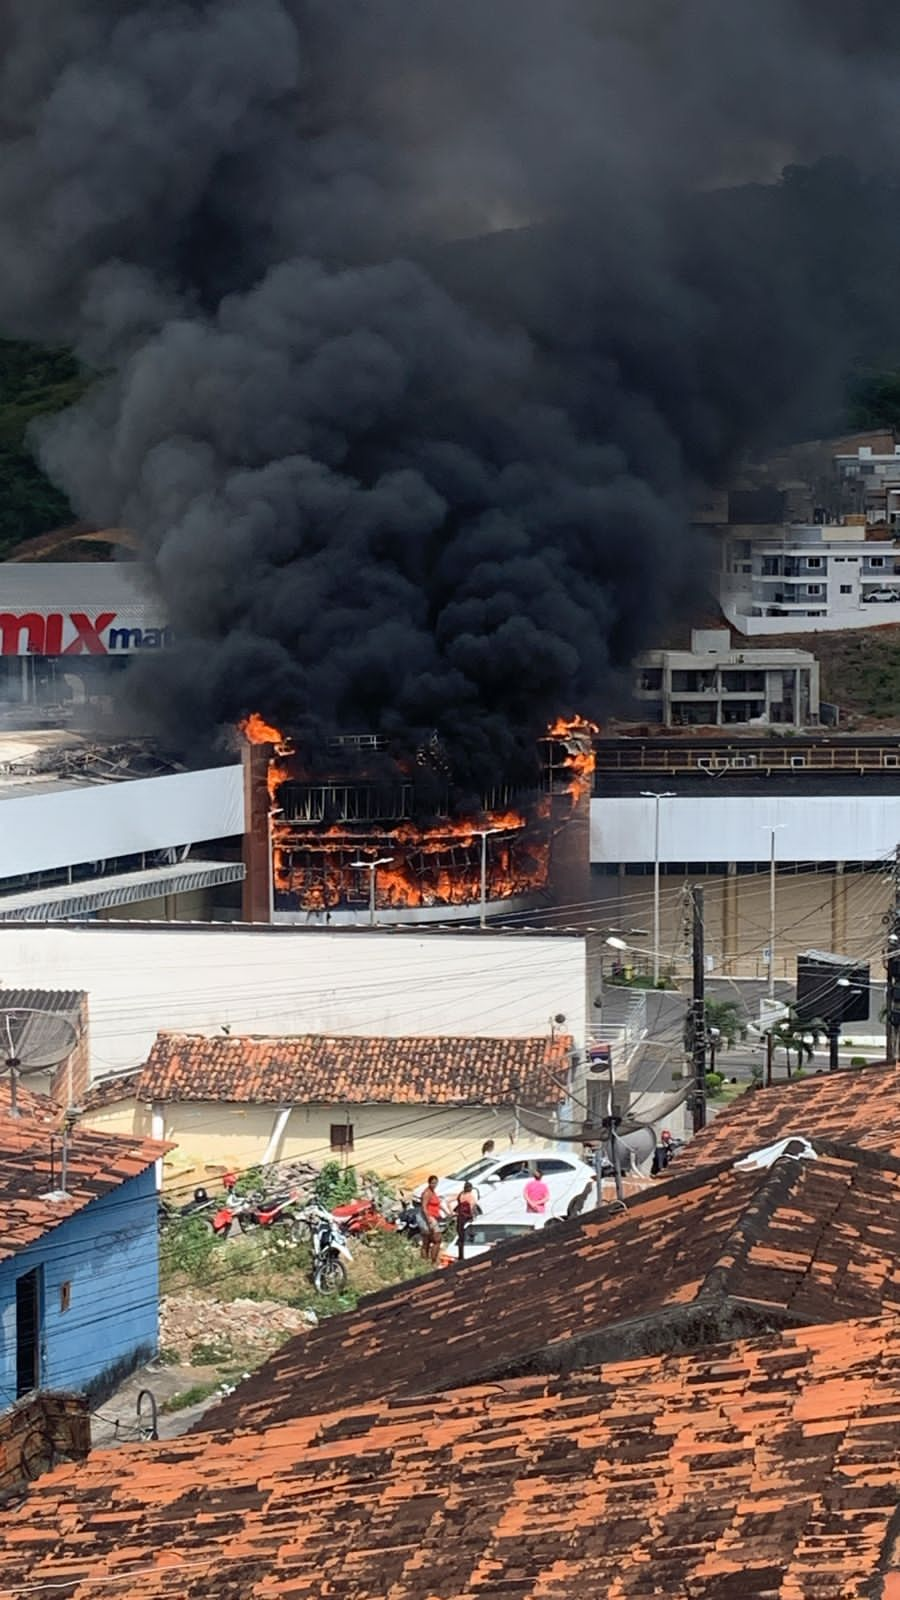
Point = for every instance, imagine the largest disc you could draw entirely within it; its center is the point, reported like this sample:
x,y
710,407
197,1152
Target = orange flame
x,y
437,865
257,731
577,735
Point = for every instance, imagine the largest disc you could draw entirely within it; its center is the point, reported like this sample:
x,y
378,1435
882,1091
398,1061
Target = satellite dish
x,y
33,1041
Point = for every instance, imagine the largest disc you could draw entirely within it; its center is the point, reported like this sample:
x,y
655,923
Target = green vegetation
x,y
33,383
191,1396
639,980
726,1016
187,1247
335,1185
875,400
796,1038
275,1264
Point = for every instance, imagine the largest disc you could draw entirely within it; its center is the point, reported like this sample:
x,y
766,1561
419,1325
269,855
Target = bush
x,y
190,1397
714,1082
212,1353
186,1245
858,1061
250,1181
335,1185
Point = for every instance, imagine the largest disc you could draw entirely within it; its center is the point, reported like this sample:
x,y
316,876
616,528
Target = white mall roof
x,y
102,821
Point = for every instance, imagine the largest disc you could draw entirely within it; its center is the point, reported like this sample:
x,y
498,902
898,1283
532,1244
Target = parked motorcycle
x,y
234,1209
361,1216
330,1250
199,1203
264,1211
408,1222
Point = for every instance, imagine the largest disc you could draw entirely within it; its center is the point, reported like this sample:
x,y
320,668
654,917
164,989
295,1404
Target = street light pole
x,y
371,868
484,834
650,794
772,829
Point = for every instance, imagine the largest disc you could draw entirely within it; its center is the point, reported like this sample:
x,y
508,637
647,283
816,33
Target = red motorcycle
x,y
361,1216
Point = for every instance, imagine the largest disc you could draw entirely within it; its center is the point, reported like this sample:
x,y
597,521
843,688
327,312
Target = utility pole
x,y
892,967
698,1011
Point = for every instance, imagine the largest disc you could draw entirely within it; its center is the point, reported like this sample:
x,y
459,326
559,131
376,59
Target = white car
x,y
482,1236
881,596
499,1181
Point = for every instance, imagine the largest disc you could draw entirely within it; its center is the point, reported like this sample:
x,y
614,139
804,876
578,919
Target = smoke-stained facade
x,y
414,324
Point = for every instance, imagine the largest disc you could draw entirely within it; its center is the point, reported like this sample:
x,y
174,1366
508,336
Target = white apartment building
x,y
715,685
808,579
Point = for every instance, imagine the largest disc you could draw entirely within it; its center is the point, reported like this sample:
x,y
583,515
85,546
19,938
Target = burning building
x,y
368,835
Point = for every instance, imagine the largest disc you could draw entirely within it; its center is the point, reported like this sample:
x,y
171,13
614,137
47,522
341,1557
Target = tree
x,y
795,1037
34,383
728,1018
724,1024
875,401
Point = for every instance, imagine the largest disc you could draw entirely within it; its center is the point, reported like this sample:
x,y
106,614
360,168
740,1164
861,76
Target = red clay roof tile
x,y
693,1259
31,1167
859,1106
323,1069
656,1477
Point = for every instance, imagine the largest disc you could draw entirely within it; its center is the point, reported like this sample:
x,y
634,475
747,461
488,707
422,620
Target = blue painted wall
x,y
108,1254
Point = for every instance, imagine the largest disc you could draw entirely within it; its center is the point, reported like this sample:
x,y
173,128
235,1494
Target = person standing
x,y
432,1216
465,1210
537,1194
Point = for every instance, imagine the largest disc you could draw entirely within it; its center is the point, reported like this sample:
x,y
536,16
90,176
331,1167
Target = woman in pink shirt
x,y
536,1193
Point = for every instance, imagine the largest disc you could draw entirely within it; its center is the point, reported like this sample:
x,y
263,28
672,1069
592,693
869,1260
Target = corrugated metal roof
x,y
78,900
65,1000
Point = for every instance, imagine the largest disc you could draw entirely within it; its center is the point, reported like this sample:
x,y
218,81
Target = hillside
x,y
33,383
860,671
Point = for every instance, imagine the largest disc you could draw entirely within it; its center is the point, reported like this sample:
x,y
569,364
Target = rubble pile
x,y
222,1329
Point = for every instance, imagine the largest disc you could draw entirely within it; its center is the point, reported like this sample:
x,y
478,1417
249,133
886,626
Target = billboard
x,y
831,988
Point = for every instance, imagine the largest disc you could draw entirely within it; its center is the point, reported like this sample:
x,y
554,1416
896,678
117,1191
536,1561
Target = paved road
x,y
662,1052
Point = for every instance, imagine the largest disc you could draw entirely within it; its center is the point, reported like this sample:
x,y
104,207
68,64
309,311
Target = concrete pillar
x,y
158,1131
257,896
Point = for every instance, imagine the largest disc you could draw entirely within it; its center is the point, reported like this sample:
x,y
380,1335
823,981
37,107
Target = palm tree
x,y
724,1025
796,1037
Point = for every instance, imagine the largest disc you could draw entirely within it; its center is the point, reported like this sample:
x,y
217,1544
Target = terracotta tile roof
x,y
322,1069
111,1089
30,1156
764,1469
859,1106
706,1256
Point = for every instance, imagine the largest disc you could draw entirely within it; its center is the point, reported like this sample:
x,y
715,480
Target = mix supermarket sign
x,y
77,633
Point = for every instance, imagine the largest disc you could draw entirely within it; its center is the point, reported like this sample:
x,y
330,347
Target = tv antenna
x,y
33,1041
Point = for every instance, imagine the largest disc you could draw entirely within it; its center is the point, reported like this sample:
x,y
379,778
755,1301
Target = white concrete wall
x,y
734,828
858,616
284,980
101,821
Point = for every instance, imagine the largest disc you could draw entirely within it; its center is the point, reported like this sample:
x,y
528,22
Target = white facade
x,y
79,608
726,828
807,579
69,826
141,978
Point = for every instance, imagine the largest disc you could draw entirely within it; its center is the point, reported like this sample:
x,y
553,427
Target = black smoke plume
x,y
415,322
